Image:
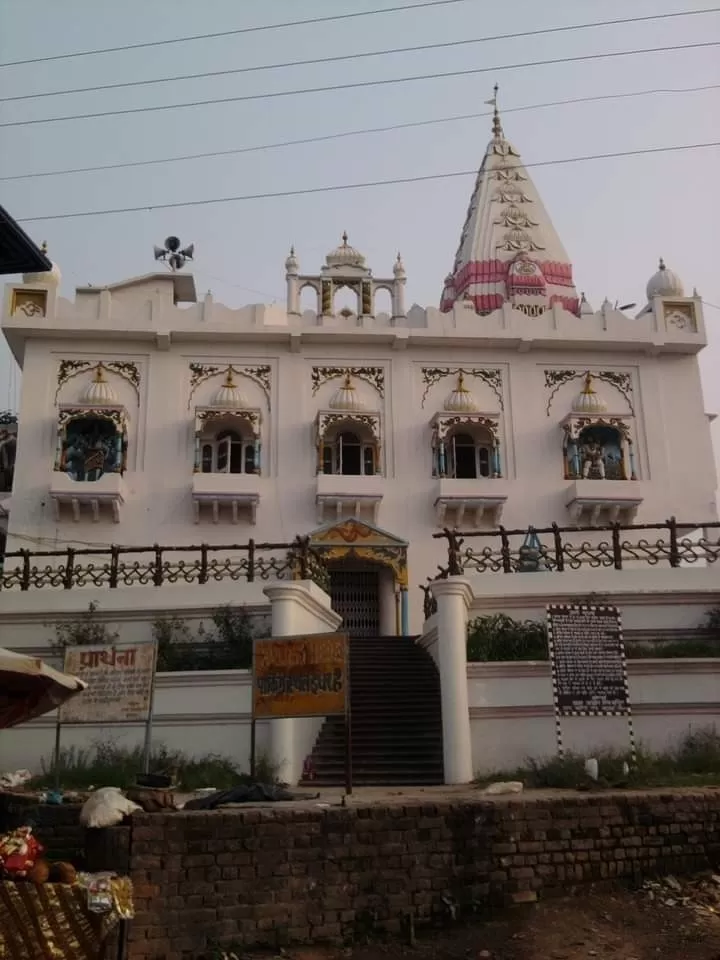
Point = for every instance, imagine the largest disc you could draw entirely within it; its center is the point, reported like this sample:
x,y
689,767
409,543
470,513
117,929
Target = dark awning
x,y
18,253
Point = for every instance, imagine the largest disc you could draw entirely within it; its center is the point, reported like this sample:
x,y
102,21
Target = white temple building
x,y
149,417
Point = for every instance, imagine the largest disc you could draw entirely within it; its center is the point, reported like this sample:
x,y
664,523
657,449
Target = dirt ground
x,y
658,922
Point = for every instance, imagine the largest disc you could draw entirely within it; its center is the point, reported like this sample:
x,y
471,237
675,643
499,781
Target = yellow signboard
x,y
300,676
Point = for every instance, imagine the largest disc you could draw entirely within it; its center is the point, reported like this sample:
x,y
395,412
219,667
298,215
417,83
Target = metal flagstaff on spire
x,y
497,124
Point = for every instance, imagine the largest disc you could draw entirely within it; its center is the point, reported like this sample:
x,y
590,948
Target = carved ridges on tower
x,y
509,250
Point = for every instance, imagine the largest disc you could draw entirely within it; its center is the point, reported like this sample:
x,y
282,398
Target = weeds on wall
x,y
695,761
227,644
500,638
89,629
108,764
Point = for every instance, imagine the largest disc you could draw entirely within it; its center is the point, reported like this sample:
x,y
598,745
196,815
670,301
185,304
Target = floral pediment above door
x,y
353,531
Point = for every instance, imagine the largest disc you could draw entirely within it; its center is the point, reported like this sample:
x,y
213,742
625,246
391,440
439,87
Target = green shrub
x,y
499,637
226,645
88,630
108,764
694,761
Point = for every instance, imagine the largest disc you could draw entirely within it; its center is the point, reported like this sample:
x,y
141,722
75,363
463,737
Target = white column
x,y
297,607
293,293
454,596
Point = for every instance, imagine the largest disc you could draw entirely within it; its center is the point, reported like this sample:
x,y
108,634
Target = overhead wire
x,y
320,138
361,84
125,84
235,32
358,186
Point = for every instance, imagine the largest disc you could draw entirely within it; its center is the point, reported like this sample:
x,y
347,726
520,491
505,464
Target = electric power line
x,y
355,56
320,138
358,186
361,83
230,33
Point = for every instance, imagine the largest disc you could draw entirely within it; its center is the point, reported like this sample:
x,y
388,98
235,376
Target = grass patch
x,y
694,762
106,764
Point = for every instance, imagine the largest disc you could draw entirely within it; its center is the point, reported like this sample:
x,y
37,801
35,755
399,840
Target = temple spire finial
x,y
497,123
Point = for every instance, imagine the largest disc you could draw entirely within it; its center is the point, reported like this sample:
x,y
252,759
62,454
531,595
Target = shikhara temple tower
x,y
509,251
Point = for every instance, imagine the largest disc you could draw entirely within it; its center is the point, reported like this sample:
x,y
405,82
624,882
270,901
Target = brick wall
x,y
57,827
277,875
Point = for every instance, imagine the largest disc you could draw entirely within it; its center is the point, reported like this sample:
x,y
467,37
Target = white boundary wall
x,y
198,712
509,705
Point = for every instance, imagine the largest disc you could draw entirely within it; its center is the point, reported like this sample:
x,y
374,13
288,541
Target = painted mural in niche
x,y
554,379
91,443
492,377
375,376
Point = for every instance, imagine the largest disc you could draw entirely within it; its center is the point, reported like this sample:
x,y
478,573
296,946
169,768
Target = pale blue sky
x,y
615,217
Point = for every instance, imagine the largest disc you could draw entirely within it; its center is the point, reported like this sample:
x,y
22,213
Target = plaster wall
x,y
511,711
659,367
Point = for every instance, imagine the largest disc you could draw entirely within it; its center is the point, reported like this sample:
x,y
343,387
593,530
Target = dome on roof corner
x,y
588,401
461,400
346,398
51,277
345,255
229,396
665,283
99,391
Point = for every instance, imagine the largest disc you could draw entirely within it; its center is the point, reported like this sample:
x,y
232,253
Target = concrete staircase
x,y
396,719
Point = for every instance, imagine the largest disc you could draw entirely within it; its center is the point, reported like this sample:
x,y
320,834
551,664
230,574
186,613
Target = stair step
x,y
396,724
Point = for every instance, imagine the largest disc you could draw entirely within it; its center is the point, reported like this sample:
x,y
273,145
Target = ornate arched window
x,y
91,445
228,451
470,455
598,454
349,453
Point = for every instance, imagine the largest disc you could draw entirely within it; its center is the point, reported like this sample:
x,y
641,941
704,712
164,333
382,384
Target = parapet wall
x,y
273,876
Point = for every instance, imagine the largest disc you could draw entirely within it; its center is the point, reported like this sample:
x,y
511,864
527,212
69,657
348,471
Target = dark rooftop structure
x,y
18,253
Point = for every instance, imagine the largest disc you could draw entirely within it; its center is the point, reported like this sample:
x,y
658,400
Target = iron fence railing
x,y
156,565
558,548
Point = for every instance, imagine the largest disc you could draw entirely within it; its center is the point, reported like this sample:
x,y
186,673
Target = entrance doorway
x,y
355,595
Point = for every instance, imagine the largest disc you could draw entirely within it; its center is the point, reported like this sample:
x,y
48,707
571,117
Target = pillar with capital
x,y
454,596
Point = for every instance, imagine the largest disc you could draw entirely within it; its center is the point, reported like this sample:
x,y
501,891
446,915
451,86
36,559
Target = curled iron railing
x,y
156,565
556,548
570,548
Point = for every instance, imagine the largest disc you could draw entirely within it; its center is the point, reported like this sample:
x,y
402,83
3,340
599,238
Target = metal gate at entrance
x,y
355,595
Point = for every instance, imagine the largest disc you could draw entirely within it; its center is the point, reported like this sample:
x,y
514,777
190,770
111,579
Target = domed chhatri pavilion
x,y
369,429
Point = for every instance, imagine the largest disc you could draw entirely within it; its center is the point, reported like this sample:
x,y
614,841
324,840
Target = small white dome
x,y
399,269
51,277
587,401
665,283
346,398
585,309
99,391
461,400
345,255
229,396
291,264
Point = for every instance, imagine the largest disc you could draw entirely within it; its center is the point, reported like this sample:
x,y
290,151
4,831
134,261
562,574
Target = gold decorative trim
x,y
369,420
444,422
492,377
375,376
127,369
33,303
204,416
554,379
260,374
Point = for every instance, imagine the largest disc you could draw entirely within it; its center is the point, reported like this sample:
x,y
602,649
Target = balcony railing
x,y
157,565
558,548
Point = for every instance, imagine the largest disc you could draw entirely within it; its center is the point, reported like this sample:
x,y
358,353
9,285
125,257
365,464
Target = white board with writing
x,y
120,684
